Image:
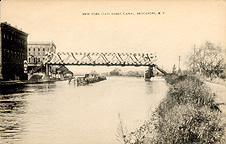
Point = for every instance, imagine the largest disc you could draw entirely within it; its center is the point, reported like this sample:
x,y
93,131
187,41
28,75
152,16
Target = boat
x,y
37,78
87,79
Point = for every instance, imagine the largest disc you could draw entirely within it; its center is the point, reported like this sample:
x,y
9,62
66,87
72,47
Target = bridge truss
x,y
95,59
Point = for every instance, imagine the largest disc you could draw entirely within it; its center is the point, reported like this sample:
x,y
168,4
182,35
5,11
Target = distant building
x,y
13,52
37,52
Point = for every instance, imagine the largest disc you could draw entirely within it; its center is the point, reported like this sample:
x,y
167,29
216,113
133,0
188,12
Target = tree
x,y
116,72
174,69
134,73
208,59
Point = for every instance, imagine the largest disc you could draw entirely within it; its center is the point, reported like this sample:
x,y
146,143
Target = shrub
x,y
187,124
191,90
173,79
188,114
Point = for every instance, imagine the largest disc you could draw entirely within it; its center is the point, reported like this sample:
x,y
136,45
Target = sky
x,y
170,34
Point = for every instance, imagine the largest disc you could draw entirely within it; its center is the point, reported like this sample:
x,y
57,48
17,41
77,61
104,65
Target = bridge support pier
x,y
47,70
148,73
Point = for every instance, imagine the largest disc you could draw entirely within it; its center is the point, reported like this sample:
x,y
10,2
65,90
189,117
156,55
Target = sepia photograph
x,y
112,71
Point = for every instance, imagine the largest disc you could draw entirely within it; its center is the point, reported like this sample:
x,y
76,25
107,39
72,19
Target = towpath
x,y
220,91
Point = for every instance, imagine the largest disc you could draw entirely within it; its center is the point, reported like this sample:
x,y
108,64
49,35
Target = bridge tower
x,y
148,73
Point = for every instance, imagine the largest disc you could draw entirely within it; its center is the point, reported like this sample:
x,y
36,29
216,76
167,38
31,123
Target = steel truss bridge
x,y
100,59
104,59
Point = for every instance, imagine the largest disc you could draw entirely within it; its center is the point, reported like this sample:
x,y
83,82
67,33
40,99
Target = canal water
x,y
59,113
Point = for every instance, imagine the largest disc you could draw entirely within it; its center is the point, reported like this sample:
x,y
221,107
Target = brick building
x,y
13,52
37,52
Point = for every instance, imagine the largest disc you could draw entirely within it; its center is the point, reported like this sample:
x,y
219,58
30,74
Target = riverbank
x,y
188,114
12,82
18,82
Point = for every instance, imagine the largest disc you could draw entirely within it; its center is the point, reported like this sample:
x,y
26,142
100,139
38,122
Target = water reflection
x,y
157,89
11,89
149,87
63,113
13,106
41,88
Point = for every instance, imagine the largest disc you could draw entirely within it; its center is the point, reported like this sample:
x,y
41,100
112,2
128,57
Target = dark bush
x,y
173,79
187,124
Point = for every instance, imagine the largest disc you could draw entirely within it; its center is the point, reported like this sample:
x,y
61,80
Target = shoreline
x,y
190,109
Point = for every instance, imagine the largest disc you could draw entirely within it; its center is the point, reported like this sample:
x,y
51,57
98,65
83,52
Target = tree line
x,y
207,59
119,72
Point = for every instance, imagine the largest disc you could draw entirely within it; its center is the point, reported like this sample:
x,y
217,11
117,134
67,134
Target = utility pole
x,y
179,64
194,60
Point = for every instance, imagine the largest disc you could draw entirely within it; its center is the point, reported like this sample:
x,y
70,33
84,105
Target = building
x,y
13,53
37,52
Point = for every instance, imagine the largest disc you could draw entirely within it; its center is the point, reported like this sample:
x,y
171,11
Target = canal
x,y
60,113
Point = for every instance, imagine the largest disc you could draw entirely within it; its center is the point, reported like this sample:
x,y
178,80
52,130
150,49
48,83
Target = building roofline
x,y
15,28
41,43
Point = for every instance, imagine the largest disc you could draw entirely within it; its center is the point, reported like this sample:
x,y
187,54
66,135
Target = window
x,y
29,49
29,60
43,49
38,49
34,49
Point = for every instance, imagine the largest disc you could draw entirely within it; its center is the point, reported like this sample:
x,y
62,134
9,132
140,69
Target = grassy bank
x,y
188,114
